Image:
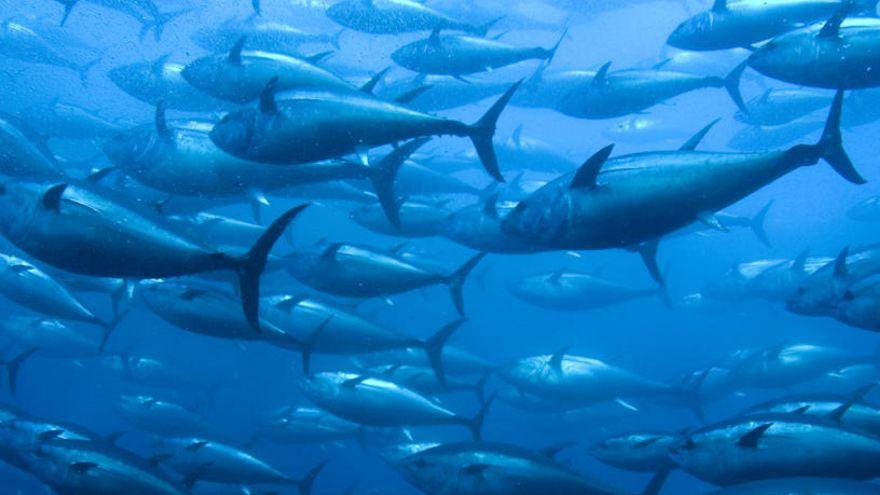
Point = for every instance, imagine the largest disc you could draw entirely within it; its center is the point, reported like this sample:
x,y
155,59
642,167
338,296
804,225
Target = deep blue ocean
x,y
240,381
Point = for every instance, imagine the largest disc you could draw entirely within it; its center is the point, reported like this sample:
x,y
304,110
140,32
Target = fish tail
x,y
383,175
758,224
305,483
434,347
731,84
252,264
457,279
476,423
109,327
13,367
483,131
830,145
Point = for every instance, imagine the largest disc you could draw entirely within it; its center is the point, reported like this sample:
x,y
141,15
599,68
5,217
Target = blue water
x,y
643,336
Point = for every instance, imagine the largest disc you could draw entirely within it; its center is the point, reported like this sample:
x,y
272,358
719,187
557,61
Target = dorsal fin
x,y
352,382
267,98
801,410
434,37
490,207
719,6
840,270
52,197
99,175
20,268
234,56
409,96
855,397
317,57
47,435
370,85
190,294
799,264
161,123
329,254
196,446
557,357
159,64
692,143
516,137
831,29
288,303
552,450
586,175
599,78
766,96
750,439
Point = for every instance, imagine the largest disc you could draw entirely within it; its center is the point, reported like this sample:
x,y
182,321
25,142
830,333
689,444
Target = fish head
x,y
320,385
428,472
234,133
18,203
347,10
133,151
204,73
815,297
541,218
692,33
131,78
683,452
780,54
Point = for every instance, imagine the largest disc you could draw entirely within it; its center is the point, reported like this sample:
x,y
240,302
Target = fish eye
x,y
2,188
689,444
848,296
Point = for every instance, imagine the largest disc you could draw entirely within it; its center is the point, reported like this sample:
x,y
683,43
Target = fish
x,y
417,219
161,417
603,205
162,80
641,451
786,365
396,17
743,23
441,92
144,11
321,328
578,381
563,290
840,54
104,238
304,425
867,210
77,466
373,400
25,153
848,409
224,463
479,227
66,120
455,361
32,288
262,34
460,55
818,294
182,159
20,42
209,311
240,76
619,93
355,271
276,133
493,468
780,282
782,106
823,486
767,446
